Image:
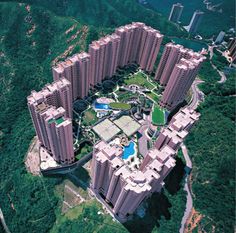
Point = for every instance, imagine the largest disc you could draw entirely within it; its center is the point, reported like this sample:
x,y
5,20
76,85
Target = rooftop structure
x,y
232,49
176,12
57,94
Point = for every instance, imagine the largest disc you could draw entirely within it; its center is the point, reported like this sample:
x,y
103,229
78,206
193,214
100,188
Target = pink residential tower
x,y
76,70
180,81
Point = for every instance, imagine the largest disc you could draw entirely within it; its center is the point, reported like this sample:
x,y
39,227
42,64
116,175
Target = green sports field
x,y
158,115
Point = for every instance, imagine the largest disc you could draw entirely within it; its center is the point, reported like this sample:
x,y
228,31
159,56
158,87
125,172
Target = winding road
x,y
197,97
189,203
3,222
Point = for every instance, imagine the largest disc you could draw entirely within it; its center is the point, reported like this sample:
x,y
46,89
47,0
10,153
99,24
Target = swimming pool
x,y
101,106
128,150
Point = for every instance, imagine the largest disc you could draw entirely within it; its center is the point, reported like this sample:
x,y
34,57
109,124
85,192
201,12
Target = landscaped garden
x,y
89,117
140,80
153,96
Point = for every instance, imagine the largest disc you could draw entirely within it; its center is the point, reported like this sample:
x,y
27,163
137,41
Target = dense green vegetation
x,y
108,13
84,219
27,202
210,25
84,149
212,145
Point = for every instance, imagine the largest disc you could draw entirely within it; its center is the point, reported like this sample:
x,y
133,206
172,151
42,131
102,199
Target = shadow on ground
x,y
158,204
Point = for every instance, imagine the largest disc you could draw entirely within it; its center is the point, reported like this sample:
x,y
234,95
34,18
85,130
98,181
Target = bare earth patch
x,y
32,161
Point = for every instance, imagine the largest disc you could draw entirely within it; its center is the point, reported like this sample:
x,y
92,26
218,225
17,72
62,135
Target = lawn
x,y
158,116
89,117
153,96
140,80
120,106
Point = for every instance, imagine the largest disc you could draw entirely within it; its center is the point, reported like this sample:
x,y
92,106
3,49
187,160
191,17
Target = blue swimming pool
x,y
128,150
101,106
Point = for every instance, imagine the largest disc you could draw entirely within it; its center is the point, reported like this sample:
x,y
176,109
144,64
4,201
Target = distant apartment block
x,y
232,49
176,12
194,24
220,37
122,190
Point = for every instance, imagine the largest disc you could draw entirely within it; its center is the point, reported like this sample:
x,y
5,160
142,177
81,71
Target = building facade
x,y
76,70
180,81
232,49
53,127
139,44
195,22
176,12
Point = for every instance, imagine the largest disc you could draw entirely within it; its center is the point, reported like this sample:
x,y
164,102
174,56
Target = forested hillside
x,y
212,147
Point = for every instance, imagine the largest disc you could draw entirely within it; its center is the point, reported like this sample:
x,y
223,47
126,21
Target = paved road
x,y
196,98
197,94
3,222
189,203
221,73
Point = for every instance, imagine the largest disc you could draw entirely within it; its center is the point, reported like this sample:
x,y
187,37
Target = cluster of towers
x,y
176,71
176,12
121,189
134,42
51,110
